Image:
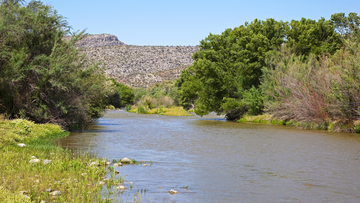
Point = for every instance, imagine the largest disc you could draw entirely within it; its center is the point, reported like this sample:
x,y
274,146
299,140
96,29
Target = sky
x,y
185,22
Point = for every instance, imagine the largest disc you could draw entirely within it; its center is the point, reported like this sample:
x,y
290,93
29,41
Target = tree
x,y
42,77
348,27
120,95
313,37
230,63
188,89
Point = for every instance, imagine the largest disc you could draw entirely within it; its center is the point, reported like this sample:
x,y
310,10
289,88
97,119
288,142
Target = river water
x,y
212,160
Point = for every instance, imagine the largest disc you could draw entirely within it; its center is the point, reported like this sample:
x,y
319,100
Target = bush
x,y
128,107
141,110
43,77
315,91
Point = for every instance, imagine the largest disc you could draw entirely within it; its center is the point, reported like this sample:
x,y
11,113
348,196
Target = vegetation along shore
x,y
303,73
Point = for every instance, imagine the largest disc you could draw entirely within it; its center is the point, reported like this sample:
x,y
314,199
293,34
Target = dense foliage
x,y
158,95
120,95
42,77
228,73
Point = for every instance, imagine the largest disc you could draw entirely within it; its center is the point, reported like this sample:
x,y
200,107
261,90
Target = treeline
x,y
305,70
44,78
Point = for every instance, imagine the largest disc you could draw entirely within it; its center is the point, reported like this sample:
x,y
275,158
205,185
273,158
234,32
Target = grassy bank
x,y
334,126
68,172
170,111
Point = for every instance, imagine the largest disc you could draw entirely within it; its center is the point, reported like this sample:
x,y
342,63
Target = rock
x,y
33,157
108,163
117,172
42,201
21,145
144,164
55,193
46,161
125,160
34,161
23,192
94,164
118,164
173,191
130,183
102,183
121,187
48,190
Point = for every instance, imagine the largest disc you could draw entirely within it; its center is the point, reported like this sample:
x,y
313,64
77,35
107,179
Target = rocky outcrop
x,y
137,66
141,66
98,41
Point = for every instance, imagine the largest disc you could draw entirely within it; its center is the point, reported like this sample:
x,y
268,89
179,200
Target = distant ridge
x,y
100,40
137,66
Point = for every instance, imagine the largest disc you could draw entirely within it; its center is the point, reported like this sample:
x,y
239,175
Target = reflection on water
x,y
211,160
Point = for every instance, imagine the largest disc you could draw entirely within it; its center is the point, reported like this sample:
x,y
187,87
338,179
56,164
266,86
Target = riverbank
x,y
34,168
170,111
330,126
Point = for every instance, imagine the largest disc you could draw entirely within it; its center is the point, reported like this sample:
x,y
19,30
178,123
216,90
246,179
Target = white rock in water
x,y
173,191
108,163
121,187
127,160
55,193
34,161
130,183
46,161
21,145
144,164
116,164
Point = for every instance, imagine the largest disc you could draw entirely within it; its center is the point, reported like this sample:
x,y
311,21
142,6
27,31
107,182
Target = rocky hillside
x,y
137,66
98,41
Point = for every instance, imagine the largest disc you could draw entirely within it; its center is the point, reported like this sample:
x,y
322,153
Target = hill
x,y
137,66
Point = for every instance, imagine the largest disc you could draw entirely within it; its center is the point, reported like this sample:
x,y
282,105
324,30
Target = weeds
x,y
70,173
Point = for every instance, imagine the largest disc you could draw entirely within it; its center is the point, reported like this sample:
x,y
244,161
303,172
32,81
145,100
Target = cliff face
x,y
99,41
137,66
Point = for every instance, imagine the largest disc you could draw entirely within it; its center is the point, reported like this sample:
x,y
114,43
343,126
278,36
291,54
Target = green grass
x,y
171,111
70,173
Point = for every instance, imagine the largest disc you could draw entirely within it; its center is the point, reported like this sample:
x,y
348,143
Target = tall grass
x,y
325,91
69,172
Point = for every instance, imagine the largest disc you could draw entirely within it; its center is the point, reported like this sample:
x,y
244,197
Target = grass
x,y
171,111
330,126
69,172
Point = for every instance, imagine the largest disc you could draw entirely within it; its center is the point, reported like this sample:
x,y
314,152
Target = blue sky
x,y
185,22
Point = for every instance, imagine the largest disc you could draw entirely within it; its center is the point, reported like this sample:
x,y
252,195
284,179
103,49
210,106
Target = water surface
x,y
211,160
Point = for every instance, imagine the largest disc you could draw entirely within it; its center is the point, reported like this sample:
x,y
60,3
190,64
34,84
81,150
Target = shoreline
x,y
34,168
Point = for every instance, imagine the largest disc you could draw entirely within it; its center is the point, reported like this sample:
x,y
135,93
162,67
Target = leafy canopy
x,y
42,77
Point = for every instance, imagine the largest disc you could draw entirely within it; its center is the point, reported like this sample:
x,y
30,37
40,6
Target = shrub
x,y
43,77
141,110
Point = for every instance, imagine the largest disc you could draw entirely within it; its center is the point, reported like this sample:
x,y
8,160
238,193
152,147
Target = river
x,y
212,160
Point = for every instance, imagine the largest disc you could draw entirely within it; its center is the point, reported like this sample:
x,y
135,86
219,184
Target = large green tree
x,y
347,26
230,63
228,67
315,37
42,77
